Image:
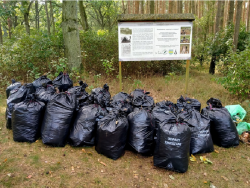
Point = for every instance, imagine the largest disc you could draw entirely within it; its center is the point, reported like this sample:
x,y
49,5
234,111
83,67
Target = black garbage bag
x,y
121,101
201,139
43,80
63,82
58,119
101,96
194,103
222,127
172,145
16,96
84,128
141,131
162,112
27,119
140,98
111,135
165,104
45,93
14,85
81,95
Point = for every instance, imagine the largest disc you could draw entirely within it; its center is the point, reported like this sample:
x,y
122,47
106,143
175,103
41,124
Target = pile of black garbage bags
x,y
61,114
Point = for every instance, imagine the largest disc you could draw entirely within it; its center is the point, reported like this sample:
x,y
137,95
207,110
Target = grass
x,y
71,167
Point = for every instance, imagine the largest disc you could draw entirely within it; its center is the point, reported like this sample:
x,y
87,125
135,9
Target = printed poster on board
x,y
145,41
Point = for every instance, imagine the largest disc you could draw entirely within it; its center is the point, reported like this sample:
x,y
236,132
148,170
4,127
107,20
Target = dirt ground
x,y
38,165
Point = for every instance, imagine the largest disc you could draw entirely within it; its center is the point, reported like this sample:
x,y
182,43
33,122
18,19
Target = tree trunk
x,y
170,6
230,13
248,11
9,27
193,6
237,24
152,7
137,7
212,65
235,8
37,14
243,11
222,13
128,4
52,17
26,15
84,20
71,34
26,21
47,14
1,34
179,6
142,7
217,21
164,7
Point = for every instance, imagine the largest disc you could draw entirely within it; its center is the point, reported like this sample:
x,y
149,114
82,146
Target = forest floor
x,y
38,165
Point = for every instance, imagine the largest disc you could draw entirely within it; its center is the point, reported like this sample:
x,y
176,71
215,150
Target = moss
x,y
156,17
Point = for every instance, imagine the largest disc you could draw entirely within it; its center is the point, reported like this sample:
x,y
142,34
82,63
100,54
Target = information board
x,y
153,40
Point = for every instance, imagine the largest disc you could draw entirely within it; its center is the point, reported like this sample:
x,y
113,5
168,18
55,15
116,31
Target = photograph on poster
x,y
185,39
126,39
185,30
126,31
184,48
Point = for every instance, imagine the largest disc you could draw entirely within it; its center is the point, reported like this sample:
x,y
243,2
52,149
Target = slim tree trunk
x,y
84,20
243,11
152,7
171,6
137,7
71,34
222,13
9,27
248,11
193,6
164,7
142,7
189,6
37,13
1,34
47,14
218,14
179,6
27,25
237,24
128,4
235,8
26,5
230,12
52,17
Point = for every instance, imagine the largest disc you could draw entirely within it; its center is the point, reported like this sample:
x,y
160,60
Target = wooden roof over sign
x,y
155,17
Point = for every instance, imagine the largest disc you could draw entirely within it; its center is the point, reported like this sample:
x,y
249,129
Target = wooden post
x,y
120,74
187,76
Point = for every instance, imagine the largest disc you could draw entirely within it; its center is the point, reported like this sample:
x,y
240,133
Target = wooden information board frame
x,y
156,18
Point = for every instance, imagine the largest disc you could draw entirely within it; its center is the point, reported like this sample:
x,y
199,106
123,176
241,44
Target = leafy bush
x,y
237,73
27,57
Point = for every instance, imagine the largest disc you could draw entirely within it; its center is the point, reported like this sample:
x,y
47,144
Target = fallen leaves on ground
x,y
29,176
171,177
192,158
224,178
205,160
216,151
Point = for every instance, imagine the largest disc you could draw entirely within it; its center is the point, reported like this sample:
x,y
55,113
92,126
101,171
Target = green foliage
x,y
108,66
28,57
237,73
137,84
